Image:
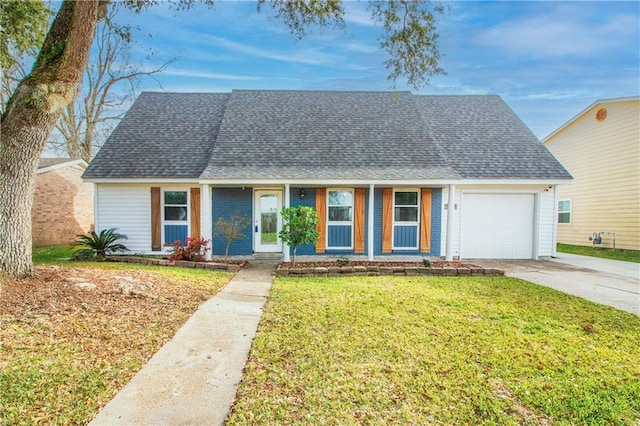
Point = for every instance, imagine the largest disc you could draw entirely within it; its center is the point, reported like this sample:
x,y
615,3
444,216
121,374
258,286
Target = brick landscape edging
x,y
231,267
341,271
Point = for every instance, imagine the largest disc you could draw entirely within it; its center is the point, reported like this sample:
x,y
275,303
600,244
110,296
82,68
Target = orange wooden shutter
x,y
156,232
425,220
387,219
321,208
358,221
195,212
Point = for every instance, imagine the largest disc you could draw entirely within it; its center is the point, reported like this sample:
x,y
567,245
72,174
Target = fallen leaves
x,y
73,336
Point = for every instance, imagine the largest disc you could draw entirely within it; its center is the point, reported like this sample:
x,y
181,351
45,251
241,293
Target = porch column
x,y
206,218
370,224
554,239
287,202
451,203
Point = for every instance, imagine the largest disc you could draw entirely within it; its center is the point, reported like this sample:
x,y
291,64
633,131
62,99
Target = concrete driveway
x,y
608,282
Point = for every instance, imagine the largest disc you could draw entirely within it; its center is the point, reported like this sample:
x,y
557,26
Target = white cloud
x,y
559,34
210,75
361,47
552,95
309,57
358,15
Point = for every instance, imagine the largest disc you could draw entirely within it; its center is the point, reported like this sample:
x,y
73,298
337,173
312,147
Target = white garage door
x,y
497,226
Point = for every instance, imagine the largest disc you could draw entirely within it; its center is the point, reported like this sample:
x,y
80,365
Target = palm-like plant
x,y
100,244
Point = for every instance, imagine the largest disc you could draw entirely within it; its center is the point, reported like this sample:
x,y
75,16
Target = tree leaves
x,y
24,26
411,39
409,35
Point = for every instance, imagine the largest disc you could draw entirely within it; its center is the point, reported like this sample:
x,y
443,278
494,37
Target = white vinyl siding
x,y
546,222
127,208
544,215
497,226
456,222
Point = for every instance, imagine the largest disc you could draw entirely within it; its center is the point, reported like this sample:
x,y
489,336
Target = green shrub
x,y
194,249
299,227
99,245
343,261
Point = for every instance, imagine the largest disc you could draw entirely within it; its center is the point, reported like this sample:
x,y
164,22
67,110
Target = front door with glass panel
x,y
267,221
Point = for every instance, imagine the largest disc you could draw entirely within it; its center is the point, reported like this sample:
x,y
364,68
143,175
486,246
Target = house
x,y
389,173
601,148
62,203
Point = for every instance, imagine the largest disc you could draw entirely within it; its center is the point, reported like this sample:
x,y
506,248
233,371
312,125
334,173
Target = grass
x,y
52,254
624,255
424,350
64,354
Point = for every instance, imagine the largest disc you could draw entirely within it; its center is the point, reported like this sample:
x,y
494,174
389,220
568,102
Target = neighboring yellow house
x,y
601,149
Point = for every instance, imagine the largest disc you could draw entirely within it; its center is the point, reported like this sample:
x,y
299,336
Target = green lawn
x,y
52,254
625,255
424,350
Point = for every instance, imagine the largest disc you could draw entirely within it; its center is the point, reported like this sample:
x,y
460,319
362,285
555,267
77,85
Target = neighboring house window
x,y
175,216
406,219
340,219
564,211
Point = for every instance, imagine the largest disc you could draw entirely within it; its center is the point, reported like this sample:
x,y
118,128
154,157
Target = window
x,y
175,216
340,206
405,206
340,219
405,219
175,206
564,211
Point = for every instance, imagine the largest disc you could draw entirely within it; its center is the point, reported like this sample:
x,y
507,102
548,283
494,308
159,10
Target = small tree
x,y
299,227
231,229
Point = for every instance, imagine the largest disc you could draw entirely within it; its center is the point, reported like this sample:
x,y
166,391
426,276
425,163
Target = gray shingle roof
x,y
163,135
48,162
322,135
483,138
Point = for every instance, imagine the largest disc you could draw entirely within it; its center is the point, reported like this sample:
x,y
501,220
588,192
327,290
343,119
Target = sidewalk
x,y
193,378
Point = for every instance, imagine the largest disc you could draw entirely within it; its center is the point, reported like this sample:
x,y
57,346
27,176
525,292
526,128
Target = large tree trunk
x,y
30,117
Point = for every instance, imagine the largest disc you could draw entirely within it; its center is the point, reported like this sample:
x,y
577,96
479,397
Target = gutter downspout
x,y
450,211
554,236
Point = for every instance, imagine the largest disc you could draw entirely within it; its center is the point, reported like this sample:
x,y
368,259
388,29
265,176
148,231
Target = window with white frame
x,y
340,219
406,219
175,216
564,211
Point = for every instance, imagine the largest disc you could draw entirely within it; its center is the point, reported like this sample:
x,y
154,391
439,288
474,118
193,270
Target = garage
x,y
497,226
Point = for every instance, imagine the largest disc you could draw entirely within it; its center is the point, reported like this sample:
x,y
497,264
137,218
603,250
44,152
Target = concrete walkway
x,y
192,379
608,282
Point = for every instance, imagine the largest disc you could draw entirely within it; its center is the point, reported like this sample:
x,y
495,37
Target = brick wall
x,y
62,206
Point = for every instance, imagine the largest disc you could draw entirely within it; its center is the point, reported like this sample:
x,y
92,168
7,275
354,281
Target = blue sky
x,y
547,59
